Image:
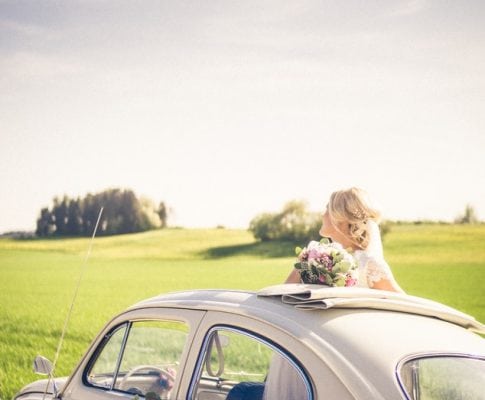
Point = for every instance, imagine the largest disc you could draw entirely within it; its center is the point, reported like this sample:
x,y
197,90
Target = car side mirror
x,y
42,366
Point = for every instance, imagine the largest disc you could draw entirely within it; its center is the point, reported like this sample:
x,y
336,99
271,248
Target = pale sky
x,y
226,109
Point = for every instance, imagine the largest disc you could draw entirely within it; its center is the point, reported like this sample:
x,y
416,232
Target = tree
x,y
293,223
45,223
122,212
74,218
162,214
150,213
297,223
60,215
89,211
469,216
264,227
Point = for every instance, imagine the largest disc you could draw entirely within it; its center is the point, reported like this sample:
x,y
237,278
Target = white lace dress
x,y
371,269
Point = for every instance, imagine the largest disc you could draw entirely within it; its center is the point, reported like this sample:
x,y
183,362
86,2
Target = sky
x,y
227,109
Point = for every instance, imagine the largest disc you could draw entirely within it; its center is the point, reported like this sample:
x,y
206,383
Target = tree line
x,y
123,212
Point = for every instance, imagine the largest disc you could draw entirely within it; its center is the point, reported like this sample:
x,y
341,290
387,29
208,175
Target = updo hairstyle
x,y
352,206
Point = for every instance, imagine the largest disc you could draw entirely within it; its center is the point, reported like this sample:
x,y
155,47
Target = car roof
x,y
310,297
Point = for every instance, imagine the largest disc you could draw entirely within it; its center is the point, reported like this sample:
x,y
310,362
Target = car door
x,y
141,354
235,356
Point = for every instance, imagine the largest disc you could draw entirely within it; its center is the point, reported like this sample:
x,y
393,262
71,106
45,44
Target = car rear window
x,y
443,377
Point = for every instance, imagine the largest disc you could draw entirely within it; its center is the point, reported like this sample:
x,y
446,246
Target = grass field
x,y
37,280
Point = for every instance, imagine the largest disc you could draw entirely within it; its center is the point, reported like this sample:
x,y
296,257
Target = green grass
x,y
38,277
445,263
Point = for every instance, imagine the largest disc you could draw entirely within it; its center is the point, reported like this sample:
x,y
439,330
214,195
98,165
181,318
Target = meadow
x,y
38,277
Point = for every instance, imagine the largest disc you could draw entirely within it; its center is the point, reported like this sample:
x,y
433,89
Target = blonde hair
x,y
352,206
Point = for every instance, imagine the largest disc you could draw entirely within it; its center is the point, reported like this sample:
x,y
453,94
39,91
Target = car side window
x,y
435,377
102,373
141,358
236,364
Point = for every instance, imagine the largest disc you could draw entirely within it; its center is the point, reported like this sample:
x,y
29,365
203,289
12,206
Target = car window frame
x,y
99,349
106,337
198,367
428,355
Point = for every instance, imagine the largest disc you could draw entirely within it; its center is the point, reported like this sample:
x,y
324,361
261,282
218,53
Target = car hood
x,y
37,389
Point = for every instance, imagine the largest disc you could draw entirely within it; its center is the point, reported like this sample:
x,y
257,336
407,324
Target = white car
x,y
296,342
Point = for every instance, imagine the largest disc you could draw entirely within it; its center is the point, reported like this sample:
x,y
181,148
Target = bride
x,y
350,220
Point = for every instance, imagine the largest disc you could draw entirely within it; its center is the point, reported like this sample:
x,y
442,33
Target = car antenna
x,y
68,316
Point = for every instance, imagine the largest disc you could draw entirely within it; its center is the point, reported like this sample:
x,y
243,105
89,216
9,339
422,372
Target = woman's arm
x,y
379,275
387,284
294,277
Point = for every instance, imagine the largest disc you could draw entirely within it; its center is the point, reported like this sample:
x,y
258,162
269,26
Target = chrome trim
x,y
121,354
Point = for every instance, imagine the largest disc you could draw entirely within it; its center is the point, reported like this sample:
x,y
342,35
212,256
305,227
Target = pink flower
x,y
350,281
313,254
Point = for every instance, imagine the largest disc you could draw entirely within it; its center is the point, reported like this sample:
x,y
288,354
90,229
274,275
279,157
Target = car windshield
x,y
443,377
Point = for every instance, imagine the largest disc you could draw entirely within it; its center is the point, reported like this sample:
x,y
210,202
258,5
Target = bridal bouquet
x,y
326,263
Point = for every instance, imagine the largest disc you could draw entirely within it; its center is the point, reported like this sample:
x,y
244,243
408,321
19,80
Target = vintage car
x,y
296,342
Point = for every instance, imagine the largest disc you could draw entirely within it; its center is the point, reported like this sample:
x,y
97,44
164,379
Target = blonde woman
x,y
350,220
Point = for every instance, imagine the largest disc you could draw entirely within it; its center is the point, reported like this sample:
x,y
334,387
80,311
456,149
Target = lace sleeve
x,y
377,269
